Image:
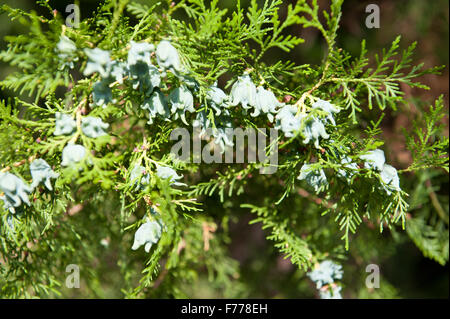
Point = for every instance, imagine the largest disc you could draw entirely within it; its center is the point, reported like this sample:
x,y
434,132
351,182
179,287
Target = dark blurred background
x,y
426,22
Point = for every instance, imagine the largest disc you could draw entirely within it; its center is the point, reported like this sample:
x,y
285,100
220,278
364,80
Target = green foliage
x,y
429,226
428,145
97,205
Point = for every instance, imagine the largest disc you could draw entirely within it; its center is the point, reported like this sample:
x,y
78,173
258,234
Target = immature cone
x,y
98,62
390,177
15,191
313,130
243,92
374,159
142,73
72,153
217,99
266,103
42,172
315,178
347,163
156,104
64,125
147,234
102,93
93,126
287,120
139,176
328,108
326,273
167,56
182,100
165,172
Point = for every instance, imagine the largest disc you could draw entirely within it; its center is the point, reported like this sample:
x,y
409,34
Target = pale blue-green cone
x,y
42,172
315,178
374,159
102,93
219,133
266,103
165,172
328,108
8,204
147,234
117,71
326,273
139,52
221,137
217,99
66,50
156,104
72,154
350,168
98,61
287,121
243,92
330,292
141,71
190,82
154,78
390,178
314,130
181,100
139,177
15,191
65,45
93,127
144,76
64,124
202,122
167,57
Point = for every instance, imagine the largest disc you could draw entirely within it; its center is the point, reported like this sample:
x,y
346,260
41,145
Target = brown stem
x,y
435,202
